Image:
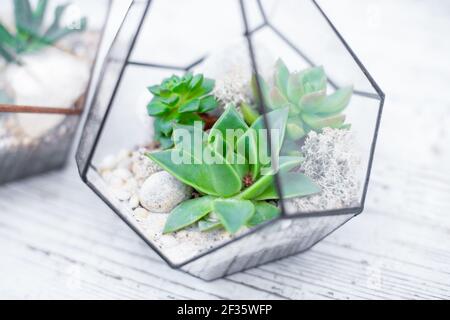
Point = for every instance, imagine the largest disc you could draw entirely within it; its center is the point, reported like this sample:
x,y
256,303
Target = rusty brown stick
x,y
31,109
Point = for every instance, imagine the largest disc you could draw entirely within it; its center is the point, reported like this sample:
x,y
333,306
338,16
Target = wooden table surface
x,y
58,240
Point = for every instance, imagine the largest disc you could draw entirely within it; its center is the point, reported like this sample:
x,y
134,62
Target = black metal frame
x,y
85,167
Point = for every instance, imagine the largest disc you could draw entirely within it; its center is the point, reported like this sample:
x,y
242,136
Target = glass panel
x,y
47,55
191,62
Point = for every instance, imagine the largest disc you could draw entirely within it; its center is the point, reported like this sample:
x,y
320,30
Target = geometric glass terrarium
x,y
302,113
48,50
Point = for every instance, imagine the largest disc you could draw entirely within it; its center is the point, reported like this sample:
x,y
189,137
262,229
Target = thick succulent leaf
x,y
225,179
6,54
196,82
197,176
191,106
247,148
23,15
278,100
286,163
249,113
318,122
294,88
165,142
187,213
165,126
56,32
265,90
171,100
206,225
281,76
313,79
157,107
38,14
230,120
263,212
335,102
6,38
207,85
309,102
293,184
277,120
234,214
207,104
295,131
155,90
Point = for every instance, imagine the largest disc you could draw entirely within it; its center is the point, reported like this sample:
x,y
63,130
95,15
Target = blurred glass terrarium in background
x,y
178,76
47,55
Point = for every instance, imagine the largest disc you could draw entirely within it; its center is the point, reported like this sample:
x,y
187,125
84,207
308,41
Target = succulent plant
x,y
180,100
233,194
305,94
30,34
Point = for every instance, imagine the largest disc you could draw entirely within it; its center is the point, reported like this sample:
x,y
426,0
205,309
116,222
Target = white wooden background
x,y
58,240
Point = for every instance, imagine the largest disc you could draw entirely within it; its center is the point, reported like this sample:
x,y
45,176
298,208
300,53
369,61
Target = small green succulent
x,y
179,100
305,94
233,193
31,35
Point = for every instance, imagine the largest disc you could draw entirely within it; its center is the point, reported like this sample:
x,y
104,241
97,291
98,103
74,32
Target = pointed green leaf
x,y
196,82
252,192
234,214
278,100
187,213
265,91
281,76
207,104
38,14
335,102
157,107
193,174
263,212
294,88
313,79
230,120
207,224
208,85
249,113
293,185
155,90
191,106
226,181
319,122
310,102
295,131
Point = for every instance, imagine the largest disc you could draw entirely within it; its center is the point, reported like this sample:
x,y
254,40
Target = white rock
x,y
162,192
142,167
108,162
134,201
122,173
122,195
140,214
50,78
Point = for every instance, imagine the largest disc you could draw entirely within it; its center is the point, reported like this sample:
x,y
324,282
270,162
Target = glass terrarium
x,y
48,50
231,133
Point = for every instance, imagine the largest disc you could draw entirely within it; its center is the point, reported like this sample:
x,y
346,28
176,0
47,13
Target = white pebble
x,y
162,192
140,214
122,173
108,163
134,201
122,195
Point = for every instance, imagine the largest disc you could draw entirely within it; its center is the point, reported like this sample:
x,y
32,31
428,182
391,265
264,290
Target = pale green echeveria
x,y
233,194
305,95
